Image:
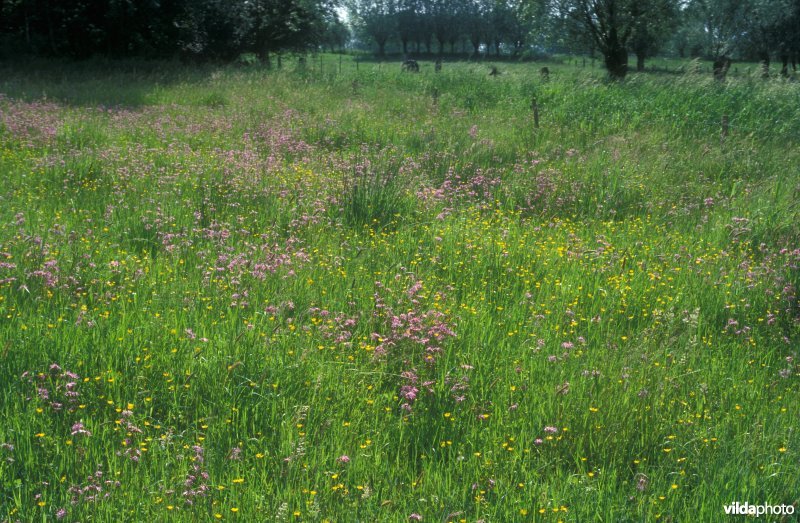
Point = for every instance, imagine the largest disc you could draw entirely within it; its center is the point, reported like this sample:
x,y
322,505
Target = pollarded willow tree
x,y
610,24
445,23
652,30
619,26
275,25
788,38
500,26
509,27
375,19
719,24
770,27
749,29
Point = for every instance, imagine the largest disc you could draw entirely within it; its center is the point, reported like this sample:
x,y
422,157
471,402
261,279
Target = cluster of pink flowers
x,y
95,489
57,389
412,339
132,436
196,482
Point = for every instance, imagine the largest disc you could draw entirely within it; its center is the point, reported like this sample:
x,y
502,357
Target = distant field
x,y
346,293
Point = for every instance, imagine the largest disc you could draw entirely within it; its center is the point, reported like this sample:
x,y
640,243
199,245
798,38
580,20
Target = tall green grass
x,y
250,278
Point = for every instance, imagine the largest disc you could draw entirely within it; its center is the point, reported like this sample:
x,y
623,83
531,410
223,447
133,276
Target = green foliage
x,y
375,196
194,29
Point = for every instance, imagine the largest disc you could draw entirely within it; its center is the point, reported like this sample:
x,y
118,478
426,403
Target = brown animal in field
x,y
545,73
410,66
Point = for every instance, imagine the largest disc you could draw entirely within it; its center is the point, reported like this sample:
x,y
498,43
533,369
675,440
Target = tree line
x,y
201,29
714,29
760,30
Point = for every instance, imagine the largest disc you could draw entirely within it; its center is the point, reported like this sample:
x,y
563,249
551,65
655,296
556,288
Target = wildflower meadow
x,y
341,292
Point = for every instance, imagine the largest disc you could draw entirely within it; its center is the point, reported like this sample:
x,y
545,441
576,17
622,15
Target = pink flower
x,y
344,458
78,428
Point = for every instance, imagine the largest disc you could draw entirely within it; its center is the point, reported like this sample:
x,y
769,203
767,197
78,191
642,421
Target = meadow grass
x,y
366,295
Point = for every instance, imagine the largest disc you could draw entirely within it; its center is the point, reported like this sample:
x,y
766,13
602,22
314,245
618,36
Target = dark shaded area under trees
x,y
225,30
194,29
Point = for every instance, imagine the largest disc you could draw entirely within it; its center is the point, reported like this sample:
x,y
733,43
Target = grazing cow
x,y
493,71
410,66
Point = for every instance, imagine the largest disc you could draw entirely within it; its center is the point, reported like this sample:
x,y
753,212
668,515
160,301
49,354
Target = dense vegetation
x,y
250,30
196,29
329,293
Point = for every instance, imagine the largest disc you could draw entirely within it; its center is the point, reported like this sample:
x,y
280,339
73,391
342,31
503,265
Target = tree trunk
x,y
27,30
381,48
721,66
405,47
640,61
765,64
616,59
50,32
784,65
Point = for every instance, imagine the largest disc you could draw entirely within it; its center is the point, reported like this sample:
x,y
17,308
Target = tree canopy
x,y
224,29
205,29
